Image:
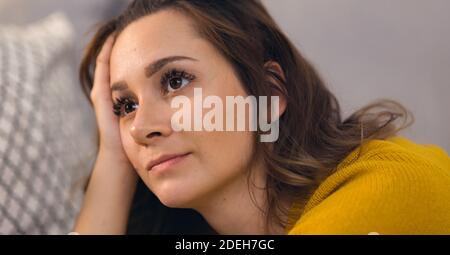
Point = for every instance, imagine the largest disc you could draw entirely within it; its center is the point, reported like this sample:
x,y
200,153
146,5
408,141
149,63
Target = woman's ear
x,y
276,78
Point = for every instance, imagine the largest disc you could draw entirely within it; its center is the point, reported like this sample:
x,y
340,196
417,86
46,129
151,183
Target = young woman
x,y
321,175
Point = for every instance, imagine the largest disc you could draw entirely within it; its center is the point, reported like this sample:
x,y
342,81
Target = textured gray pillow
x,y
47,137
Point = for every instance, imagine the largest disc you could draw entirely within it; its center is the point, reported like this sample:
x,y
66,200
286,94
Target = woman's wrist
x,y
109,196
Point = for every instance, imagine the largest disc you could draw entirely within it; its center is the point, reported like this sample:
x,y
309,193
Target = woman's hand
x,y
107,121
113,180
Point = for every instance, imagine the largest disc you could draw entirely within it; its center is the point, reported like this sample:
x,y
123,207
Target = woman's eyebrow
x,y
117,86
151,69
154,67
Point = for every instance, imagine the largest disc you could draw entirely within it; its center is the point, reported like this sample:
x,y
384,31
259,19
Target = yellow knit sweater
x,y
388,187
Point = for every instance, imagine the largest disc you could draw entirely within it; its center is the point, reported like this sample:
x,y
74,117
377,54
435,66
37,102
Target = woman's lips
x,y
164,161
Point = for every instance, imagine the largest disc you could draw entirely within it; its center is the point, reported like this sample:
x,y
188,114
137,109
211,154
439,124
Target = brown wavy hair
x,y
313,137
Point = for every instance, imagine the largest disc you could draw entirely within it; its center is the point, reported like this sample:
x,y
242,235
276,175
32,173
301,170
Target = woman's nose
x,y
147,126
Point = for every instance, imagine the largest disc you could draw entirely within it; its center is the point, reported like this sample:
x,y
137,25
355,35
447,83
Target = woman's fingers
x,y
107,121
101,77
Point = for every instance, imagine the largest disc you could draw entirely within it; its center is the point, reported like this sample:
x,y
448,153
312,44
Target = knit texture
x,y
389,186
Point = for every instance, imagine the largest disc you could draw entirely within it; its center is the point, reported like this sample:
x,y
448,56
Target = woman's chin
x,y
175,199
174,193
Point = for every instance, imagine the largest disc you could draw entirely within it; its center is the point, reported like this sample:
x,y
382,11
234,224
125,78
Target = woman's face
x,y
153,60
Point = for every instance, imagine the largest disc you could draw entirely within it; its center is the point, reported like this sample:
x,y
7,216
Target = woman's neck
x,y
233,210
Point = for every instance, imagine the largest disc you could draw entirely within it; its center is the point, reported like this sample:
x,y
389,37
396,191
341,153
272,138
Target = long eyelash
x,y
119,102
175,73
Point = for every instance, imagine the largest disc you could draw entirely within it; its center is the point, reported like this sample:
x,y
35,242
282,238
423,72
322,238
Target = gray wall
x,y
371,49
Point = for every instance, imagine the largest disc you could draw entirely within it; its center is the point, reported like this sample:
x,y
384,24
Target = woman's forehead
x,y
150,38
163,29
157,36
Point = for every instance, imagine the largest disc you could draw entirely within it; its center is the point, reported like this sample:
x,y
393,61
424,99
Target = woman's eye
x,y
129,107
177,83
124,106
174,80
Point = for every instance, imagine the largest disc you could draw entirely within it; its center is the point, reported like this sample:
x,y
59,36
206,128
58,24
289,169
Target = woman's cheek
x,y
228,150
129,145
